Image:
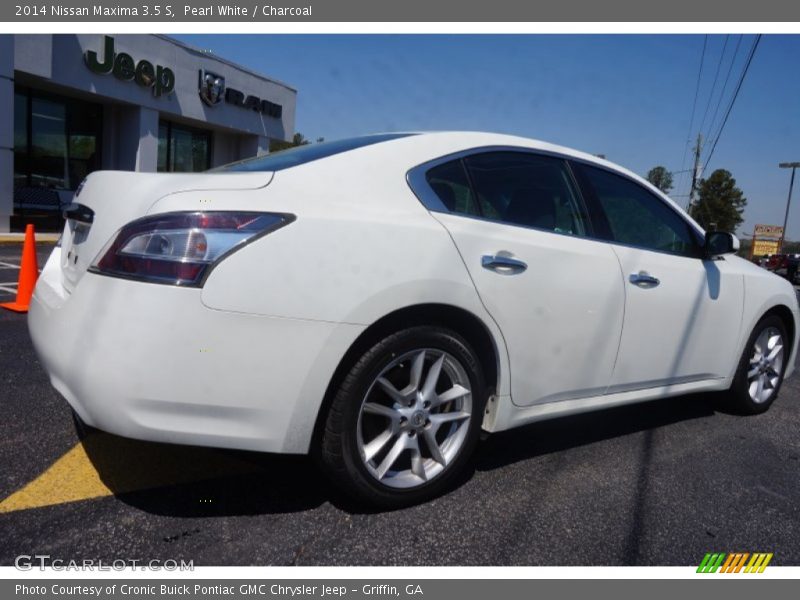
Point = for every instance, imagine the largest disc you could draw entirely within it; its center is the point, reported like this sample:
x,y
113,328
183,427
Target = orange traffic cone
x,y
28,274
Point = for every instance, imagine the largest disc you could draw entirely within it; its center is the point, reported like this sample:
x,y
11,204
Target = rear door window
x,y
530,190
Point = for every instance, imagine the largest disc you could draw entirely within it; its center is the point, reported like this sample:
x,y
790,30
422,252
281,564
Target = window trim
x,y
417,180
599,228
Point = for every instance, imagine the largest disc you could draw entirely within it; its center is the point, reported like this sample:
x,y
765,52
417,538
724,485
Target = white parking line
x,y
9,290
8,265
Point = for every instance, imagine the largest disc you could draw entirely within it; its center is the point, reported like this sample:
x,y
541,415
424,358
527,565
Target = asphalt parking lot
x,y
660,483
9,266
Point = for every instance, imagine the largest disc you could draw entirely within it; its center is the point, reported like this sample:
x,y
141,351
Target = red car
x,y
775,262
782,264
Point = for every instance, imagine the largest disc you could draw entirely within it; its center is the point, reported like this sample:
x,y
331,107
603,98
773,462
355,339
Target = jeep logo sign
x,y
123,67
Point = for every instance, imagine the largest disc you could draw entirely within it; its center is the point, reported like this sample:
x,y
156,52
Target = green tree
x,y
661,178
720,203
298,140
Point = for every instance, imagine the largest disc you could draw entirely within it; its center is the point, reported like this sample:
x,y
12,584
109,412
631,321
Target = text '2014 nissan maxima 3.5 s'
x,y
378,301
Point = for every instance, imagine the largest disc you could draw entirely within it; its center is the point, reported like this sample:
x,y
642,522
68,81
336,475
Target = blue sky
x,y
628,97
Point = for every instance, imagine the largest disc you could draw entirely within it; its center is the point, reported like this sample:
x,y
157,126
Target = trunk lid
x,y
115,198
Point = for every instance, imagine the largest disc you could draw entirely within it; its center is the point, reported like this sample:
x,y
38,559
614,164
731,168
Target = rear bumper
x,y
151,362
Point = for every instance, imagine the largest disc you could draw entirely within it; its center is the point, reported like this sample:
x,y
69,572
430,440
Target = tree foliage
x,y
298,140
661,178
720,203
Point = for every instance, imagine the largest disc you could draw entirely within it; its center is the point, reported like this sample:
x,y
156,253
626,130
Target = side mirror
x,y
719,243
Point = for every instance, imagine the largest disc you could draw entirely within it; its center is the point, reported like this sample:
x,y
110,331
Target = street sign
x,y
766,240
764,247
768,231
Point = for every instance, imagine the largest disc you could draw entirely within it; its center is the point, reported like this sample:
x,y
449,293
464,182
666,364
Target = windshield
x,y
300,155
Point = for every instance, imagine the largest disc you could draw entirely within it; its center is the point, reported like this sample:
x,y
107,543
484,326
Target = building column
x,y
6,131
147,156
137,139
253,145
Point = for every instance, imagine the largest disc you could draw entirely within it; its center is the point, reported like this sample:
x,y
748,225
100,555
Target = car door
x,y
521,228
682,313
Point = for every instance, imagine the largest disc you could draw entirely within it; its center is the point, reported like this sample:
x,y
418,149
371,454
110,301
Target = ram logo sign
x,y
211,88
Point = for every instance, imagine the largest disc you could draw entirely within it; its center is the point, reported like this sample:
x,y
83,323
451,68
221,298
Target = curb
x,y
18,238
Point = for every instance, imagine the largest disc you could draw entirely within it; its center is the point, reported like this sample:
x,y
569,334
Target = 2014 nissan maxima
x,y
378,301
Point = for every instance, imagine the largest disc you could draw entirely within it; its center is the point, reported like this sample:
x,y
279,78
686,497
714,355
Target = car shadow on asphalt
x,y
556,435
187,481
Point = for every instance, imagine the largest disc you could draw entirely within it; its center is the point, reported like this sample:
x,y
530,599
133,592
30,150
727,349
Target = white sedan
x,y
378,301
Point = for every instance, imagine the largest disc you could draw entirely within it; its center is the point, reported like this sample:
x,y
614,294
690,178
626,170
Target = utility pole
x,y
697,171
792,166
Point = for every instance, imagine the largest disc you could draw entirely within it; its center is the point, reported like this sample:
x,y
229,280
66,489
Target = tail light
x,y
181,248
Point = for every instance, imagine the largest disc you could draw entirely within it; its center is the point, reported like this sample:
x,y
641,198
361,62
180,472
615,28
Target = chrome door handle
x,y
504,265
643,279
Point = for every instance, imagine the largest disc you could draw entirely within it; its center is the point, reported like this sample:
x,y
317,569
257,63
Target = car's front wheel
x,y
760,373
406,418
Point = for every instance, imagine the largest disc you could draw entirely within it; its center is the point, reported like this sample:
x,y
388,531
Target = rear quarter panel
x,y
362,246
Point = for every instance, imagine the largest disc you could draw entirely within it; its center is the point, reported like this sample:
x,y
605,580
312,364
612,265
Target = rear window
x,y
449,182
301,155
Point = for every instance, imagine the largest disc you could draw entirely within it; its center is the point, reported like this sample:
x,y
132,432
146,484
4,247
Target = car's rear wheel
x,y
406,418
760,373
81,428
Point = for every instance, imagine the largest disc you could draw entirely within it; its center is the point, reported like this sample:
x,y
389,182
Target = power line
x,y
694,106
733,99
715,132
714,84
724,87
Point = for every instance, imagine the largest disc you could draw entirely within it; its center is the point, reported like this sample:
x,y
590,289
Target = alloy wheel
x,y
414,418
766,365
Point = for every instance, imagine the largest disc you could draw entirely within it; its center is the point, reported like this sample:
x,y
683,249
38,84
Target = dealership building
x,y
72,104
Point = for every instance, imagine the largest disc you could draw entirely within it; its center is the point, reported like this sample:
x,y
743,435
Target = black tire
x,y
741,400
339,452
81,428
